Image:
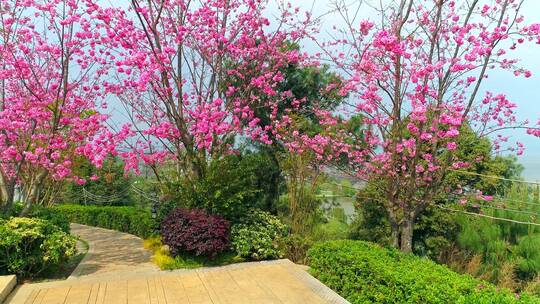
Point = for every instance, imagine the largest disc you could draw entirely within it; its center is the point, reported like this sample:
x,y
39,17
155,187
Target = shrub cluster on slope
x,y
363,272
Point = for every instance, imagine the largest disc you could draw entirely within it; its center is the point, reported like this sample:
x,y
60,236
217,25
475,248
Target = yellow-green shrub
x,y
28,246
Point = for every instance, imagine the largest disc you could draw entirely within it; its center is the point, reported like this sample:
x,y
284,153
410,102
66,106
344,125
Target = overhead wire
x,y
489,216
494,177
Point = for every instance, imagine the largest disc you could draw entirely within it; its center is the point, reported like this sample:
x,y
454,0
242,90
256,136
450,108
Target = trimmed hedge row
x,y
43,213
363,272
126,219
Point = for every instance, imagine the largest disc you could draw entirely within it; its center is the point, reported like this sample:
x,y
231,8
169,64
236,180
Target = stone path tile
x,y
111,251
276,282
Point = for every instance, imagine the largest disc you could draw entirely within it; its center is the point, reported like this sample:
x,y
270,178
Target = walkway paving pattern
x,y
118,270
111,251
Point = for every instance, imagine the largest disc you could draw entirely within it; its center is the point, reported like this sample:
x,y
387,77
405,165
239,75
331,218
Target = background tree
x,y
107,185
172,61
415,79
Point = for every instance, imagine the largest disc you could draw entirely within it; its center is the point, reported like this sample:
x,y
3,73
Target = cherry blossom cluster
x,y
51,81
415,79
191,74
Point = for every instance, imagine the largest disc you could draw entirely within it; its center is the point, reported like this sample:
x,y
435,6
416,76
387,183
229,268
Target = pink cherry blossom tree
x,y
50,94
174,60
415,74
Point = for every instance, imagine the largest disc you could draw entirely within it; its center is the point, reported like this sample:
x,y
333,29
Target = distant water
x,y
531,163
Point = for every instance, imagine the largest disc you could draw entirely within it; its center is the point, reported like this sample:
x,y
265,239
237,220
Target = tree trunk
x,y
33,193
8,194
395,233
402,230
406,241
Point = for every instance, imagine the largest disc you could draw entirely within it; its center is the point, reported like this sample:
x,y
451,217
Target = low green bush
x,y
257,236
295,247
44,213
228,189
48,214
28,246
363,272
131,220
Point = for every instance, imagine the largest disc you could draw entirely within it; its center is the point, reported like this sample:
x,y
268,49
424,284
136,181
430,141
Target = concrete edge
x,y
7,283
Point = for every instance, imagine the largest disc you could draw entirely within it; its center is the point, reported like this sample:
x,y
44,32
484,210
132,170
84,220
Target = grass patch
x,y
165,261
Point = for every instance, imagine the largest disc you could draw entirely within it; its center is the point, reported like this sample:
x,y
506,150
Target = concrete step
x,y
7,283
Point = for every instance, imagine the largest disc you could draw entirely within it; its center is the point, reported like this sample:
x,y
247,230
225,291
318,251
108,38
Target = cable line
x,y
489,216
495,177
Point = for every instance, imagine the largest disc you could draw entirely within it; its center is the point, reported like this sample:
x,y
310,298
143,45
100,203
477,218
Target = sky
x,y
523,91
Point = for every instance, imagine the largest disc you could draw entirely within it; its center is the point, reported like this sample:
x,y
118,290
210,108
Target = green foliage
x,y
335,227
257,236
295,247
502,242
126,219
477,151
112,188
300,206
55,218
371,222
229,188
31,246
265,167
363,272
435,233
48,214
528,256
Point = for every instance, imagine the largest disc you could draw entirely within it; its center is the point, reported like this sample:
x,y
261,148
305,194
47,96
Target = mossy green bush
x,y
131,220
29,246
363,272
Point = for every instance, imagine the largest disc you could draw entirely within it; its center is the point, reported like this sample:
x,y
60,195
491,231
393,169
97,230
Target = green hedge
x,y
363,272
41,212
126,219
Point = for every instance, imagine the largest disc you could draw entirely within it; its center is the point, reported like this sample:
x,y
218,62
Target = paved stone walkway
x,y
111,251
117,270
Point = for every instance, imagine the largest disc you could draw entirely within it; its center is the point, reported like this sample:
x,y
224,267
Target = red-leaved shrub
x,y
195,231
